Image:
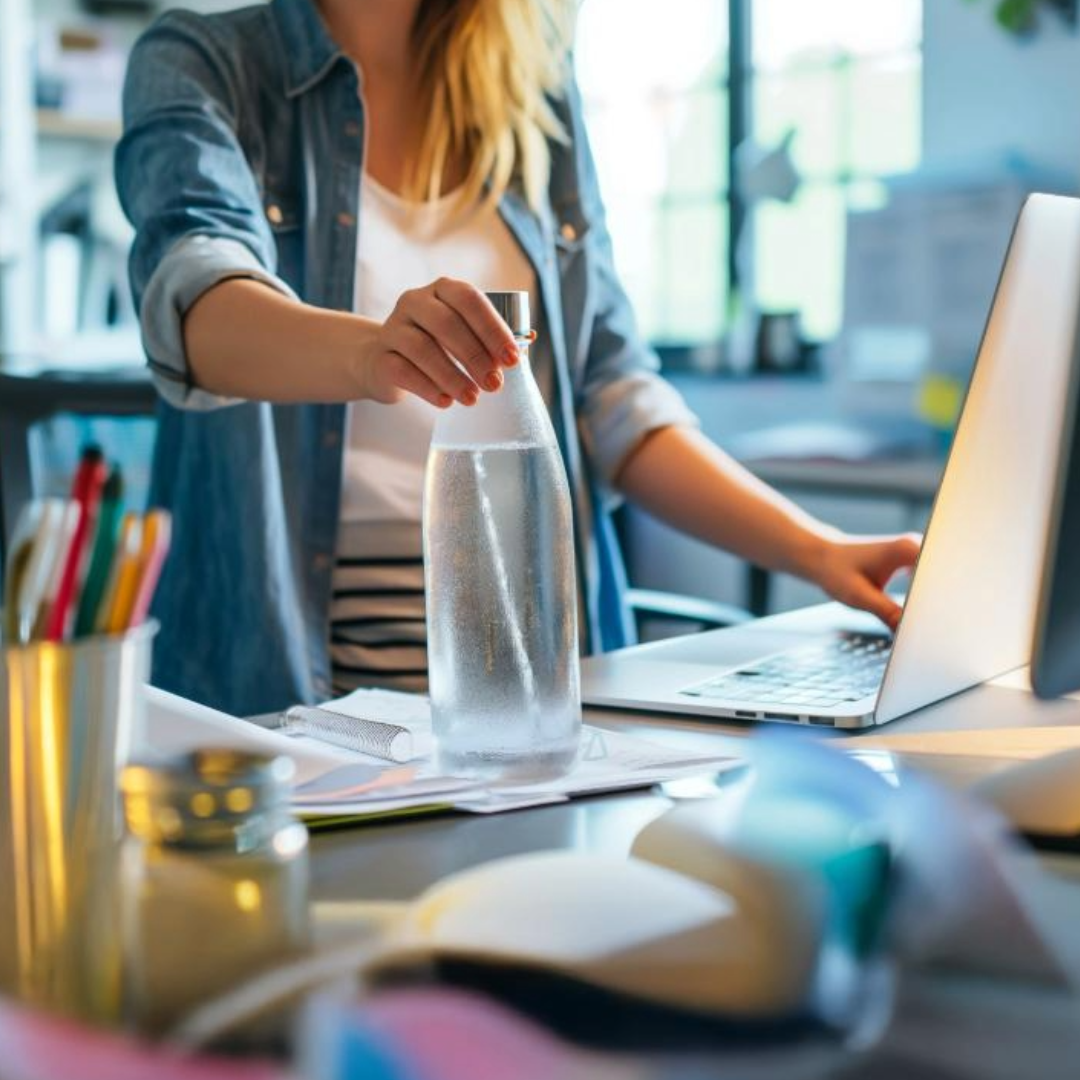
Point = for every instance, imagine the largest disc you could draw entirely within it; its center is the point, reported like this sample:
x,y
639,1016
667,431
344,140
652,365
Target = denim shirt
x,y
241,157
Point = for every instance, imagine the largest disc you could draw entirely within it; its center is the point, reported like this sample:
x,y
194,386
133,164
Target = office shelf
x,y
55,124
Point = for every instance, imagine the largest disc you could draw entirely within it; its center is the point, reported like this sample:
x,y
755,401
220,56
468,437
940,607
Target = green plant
x,y
1021,17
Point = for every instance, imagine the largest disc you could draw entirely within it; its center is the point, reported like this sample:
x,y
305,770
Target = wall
x,y
987,94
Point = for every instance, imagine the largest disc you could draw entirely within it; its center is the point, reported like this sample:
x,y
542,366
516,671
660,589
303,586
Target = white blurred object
x,y
17,214
87,65
1040,797
61,271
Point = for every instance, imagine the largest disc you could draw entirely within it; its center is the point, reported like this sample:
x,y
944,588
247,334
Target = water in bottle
x,y
501,584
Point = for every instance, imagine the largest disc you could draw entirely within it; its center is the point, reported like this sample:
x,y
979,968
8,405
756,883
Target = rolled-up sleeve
x,y
624,406
193,265
186,186
622,397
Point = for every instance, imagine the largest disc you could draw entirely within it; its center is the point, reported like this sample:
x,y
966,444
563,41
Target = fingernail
x,y
469,397
493,380
510,355
445,401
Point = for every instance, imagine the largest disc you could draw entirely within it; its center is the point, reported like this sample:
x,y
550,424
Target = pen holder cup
x,y
68,713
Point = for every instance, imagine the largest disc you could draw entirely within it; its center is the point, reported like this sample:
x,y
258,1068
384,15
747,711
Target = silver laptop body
x,y
970,606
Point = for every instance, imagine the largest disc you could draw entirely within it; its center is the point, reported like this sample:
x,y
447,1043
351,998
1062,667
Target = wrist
x,y
809,551
359,347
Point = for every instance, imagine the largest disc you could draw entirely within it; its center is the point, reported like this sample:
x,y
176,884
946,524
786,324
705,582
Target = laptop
x,y
970,608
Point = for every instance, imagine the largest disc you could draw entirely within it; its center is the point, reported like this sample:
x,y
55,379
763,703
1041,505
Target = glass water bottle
x,y
501,583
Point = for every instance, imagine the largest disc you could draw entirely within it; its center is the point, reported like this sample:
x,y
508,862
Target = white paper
x,y
331,781
175,725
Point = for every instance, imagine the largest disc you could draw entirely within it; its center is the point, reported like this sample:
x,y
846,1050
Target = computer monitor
x,y
1055,649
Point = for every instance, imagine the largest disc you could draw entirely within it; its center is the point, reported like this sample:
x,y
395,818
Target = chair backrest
x,y
30,397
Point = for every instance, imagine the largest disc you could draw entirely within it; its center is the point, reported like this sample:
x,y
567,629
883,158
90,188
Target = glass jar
x,y
214,879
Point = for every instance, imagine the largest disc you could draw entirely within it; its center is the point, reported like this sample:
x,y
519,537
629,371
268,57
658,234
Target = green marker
x,y
108,527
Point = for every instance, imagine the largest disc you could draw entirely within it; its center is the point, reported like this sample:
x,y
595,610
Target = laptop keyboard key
x,y
826,676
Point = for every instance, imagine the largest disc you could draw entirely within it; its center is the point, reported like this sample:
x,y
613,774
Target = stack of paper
x,y
334,784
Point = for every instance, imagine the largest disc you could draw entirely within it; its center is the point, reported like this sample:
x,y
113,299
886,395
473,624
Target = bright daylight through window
x,y
844,76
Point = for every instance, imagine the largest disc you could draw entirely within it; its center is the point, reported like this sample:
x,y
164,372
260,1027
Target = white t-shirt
x,y
405,245
378,632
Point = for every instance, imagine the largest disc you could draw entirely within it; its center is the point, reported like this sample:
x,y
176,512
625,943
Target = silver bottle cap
x,y
513,308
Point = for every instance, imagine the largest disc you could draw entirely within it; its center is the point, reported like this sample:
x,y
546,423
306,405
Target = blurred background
x,y
809,204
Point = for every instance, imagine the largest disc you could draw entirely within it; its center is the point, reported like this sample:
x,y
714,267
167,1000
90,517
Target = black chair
x,y
655,604
29,396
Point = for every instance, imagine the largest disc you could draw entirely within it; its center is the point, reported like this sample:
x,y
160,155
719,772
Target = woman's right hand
x,y
430,328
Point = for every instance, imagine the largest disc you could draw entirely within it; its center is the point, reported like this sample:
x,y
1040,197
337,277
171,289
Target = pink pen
x,y
157,534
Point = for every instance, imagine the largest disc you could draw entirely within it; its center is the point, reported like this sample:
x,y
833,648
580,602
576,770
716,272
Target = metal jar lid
x,y
513,308
206,797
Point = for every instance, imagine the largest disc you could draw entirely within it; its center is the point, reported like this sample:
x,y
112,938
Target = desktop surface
x,y
936,1026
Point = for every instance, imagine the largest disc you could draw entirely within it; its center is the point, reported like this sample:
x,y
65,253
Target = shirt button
x,y
331,438
352,129
346,220
321,563
568,232
274,214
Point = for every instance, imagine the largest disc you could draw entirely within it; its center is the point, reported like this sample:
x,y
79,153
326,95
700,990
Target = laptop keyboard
x,y
820,676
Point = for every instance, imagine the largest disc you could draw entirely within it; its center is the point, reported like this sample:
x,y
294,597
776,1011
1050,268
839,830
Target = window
x,y
654,82
845,75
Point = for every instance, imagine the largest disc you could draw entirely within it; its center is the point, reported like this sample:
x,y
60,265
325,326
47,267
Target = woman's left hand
x,y
856,569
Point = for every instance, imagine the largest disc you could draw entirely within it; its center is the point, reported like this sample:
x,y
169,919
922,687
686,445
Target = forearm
x,y
244,339
682,478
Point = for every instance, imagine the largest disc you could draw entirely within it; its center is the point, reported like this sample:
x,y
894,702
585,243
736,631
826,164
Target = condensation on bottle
x,y
501,583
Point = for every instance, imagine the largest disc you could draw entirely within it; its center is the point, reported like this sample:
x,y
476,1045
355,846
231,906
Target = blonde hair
x,y
485,70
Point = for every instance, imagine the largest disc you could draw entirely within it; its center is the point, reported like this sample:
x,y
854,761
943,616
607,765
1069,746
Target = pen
x,y
97,576
123,578
157,534
20,554
86,494
25,600
53,570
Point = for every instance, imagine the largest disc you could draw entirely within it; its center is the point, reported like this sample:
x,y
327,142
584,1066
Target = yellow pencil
x,y
156,534
123,578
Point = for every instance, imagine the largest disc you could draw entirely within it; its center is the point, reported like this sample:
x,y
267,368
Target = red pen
x,y
86,492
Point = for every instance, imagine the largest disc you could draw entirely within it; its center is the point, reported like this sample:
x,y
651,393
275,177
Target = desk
x,y
976,1028
913,480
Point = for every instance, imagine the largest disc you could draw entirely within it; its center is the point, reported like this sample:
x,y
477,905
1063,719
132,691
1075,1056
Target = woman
x,y
321,190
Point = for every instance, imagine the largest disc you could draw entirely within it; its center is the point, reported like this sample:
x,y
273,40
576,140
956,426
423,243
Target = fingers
x,y
895,555
864,594
419,349
450,332
456,337
482,319
405,376
459,317
906,549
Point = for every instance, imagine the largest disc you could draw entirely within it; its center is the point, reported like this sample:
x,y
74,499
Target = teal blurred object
x,y
827,812
852,856
803,806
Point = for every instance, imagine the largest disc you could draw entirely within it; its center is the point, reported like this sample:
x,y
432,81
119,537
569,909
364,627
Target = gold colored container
x,y
215,878
67,716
